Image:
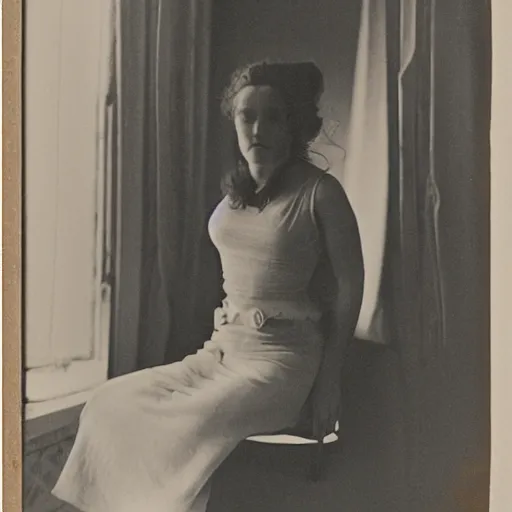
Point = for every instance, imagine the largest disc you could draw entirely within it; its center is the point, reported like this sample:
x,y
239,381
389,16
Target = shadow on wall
x,y
246,31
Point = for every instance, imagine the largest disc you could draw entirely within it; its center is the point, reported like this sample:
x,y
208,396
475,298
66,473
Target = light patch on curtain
x,y
362,166
366,187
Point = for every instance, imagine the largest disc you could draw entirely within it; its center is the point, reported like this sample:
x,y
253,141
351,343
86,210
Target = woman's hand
x,y
326,401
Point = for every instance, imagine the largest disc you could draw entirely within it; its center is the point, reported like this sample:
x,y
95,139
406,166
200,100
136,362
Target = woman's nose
x,y
257,127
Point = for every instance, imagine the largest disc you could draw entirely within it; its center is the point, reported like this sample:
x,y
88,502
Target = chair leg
x,y
316,465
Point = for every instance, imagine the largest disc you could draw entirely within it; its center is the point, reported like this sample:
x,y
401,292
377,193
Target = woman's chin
x,y
259,162
261,159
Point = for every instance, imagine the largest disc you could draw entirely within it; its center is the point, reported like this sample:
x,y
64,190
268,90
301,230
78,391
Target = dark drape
x,y
436,275
413,255
163,56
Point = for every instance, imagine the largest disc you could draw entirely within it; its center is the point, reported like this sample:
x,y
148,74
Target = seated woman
x,y
291,256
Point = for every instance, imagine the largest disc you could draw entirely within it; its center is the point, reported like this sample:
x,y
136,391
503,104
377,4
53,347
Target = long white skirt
x,y
151,440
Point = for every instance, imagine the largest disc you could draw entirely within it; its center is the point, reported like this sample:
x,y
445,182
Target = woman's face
x,y
261,124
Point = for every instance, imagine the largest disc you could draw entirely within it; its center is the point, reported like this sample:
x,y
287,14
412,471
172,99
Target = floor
x,y
364,473
44,457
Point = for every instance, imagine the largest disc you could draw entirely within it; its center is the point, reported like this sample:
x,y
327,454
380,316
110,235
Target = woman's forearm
x,y
344,317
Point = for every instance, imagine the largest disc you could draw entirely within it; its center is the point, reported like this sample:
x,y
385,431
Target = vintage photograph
x,y
256,267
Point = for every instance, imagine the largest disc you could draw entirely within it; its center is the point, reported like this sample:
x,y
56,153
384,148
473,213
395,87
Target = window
x,y
67,202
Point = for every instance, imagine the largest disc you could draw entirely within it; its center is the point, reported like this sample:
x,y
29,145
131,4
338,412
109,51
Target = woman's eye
x,y
246,117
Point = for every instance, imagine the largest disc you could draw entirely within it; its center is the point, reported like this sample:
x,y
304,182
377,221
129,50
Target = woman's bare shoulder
x,y
330,189
331,200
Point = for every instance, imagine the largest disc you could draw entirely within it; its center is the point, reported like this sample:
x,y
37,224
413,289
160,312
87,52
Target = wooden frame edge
x,y
12,267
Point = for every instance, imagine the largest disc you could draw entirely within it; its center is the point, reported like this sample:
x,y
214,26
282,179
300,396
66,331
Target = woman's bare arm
x,y
338,225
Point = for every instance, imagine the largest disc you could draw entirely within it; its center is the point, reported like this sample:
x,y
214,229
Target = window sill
x,y
34,410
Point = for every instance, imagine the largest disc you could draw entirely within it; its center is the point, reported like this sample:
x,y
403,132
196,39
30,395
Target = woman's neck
x,y
261,174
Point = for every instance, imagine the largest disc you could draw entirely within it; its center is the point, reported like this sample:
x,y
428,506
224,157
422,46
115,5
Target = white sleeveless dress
x,y
151,440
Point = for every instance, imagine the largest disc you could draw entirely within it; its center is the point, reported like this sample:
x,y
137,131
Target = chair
x,y
357,351
301,435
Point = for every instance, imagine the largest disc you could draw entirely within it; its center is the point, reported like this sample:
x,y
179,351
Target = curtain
x,y
393,187
418,193
435,281
407,290
402,281
365,174
163,54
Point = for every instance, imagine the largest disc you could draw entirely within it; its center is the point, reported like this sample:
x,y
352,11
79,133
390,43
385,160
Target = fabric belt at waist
x,y
257,317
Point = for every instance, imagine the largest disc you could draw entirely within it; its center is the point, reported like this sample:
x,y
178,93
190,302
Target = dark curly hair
x,y
300,85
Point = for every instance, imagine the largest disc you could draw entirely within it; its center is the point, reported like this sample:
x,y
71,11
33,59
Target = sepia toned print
x,y
249,236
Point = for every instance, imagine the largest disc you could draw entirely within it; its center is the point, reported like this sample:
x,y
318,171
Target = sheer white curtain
x,y
365,173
